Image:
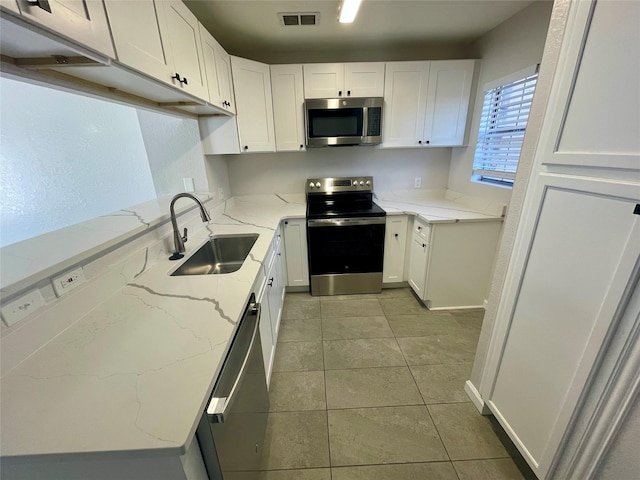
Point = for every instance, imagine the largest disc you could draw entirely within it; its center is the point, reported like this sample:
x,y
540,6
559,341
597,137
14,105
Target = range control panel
x,y
342,184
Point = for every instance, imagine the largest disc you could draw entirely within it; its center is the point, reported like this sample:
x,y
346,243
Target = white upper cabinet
x,y
186,49
332,80
252,84
10,5
83,21
218,72
405,98
136,29
447,102
426,103
288,107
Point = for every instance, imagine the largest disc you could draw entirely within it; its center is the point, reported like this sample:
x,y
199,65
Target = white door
x,y
295,243
395,243
418,264
577,243
136,30
288,107
405,96
186,48
254,108
364,79
223,65
84,21
324,80
209,45
448,102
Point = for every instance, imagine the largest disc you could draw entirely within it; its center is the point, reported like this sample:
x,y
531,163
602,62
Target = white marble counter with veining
x,y
133,375
439,206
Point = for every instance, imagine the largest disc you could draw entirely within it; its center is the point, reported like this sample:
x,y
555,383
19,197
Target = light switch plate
x,y
68,281
22,307
417,182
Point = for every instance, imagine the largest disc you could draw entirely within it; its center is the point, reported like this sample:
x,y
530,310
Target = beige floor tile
x,y
302,308
433,350
410,471
423,324
401,305
307,474
442,383
362,353
371,387
295,391
384,435
466,434
349,328
296,440
366,307
494,469
396,293
300,330
298,357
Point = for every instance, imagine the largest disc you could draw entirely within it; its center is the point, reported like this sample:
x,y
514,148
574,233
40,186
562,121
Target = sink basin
x,y
220,254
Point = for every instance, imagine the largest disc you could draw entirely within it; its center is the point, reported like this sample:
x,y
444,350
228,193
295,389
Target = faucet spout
x,y
178,240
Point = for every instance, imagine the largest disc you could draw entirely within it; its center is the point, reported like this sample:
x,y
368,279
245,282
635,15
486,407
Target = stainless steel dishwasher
x,y
231,430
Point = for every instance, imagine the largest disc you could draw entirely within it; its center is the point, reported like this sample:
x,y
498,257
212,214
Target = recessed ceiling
x,y
255,26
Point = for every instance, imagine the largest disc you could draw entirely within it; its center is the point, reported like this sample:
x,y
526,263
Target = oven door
x,y
346,255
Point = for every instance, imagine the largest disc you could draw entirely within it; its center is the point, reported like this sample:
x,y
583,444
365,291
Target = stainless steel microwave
x,y
343,121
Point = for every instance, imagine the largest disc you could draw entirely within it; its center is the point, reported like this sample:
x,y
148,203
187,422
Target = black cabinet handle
x,y
395,235
427,141
419,228
246,147
301,146
348,93
420,142
424,245
340,93
271,281
181,80
43,4
286,223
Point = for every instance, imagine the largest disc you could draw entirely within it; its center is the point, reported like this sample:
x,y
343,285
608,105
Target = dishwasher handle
x,y
220,406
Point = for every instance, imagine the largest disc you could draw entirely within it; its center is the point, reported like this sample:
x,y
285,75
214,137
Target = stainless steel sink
x,y
221,254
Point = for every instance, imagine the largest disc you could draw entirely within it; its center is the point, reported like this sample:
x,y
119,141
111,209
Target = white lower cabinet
x,y
295,243
418,264
395,246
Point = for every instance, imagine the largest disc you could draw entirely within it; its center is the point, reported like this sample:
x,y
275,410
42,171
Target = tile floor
x,y
370,387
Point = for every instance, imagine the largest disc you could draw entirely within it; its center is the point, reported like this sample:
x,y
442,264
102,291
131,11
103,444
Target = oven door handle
x,y
344,222
219,406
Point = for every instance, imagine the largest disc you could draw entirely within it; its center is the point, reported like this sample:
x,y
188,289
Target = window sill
x,y
506,186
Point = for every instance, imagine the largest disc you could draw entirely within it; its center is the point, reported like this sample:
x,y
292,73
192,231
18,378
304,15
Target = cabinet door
x,y
295,243
448,102
324,80
10,5
84,21
364,79
275,289
183,33
252,83
405,95
395,243
288,107
209,45
418,264
136,30
223,65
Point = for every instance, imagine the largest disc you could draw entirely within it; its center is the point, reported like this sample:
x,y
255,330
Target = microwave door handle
x,y
220,406
365,121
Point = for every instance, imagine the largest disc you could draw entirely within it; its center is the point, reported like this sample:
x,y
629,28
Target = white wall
x,y
65,159
511,46
287,172
174,150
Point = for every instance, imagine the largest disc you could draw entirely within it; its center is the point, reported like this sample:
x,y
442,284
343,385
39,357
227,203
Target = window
x,y
505,113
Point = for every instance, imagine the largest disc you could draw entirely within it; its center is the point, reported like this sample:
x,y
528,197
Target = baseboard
x,y
475,398
297,289
461,307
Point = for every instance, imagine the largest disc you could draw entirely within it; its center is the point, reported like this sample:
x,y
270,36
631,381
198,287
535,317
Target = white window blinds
x,y
505,113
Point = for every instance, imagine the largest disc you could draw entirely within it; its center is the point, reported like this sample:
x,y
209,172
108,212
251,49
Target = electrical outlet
x,y
22,307
221,193
189,186
68,281
417,182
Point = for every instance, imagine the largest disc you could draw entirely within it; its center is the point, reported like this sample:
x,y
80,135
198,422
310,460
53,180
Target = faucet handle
x,y
184,237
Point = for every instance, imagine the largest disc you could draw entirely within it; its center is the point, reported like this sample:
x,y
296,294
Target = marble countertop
x,y
133,375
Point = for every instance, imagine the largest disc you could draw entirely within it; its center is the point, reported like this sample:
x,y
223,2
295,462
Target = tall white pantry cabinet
x,y
575,265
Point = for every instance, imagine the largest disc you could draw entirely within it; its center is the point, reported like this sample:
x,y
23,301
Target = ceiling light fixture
x,y
348,10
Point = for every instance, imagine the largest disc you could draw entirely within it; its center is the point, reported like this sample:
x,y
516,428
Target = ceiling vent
x,y
297,19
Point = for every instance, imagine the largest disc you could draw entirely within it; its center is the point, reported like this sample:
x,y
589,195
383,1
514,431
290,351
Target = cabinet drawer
x,y
422,229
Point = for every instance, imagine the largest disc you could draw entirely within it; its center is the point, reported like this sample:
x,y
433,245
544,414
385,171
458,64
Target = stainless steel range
x,y
345,236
